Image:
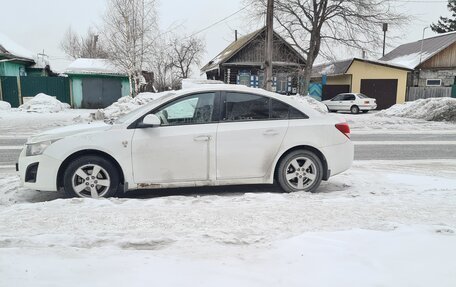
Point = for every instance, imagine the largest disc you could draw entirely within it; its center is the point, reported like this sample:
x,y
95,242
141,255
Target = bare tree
x,y
161,63
88,46
309,24
185,53
130,28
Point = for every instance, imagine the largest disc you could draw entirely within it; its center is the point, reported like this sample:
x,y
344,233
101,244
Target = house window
x,y
244,78
433,82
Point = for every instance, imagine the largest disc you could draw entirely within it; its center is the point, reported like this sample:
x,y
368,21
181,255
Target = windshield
x,y
133,115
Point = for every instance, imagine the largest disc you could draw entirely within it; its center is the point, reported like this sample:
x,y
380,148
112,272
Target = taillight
x,y
366,102
344,128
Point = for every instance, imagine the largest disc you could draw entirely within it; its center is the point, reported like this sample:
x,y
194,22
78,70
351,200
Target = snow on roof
x,y
93,66
409,54
11,48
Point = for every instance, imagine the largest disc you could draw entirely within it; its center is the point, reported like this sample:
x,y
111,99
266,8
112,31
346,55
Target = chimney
x,y
235,35
364,55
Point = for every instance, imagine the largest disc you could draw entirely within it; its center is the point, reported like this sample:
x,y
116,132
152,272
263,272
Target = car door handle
x,y
271,133
202,138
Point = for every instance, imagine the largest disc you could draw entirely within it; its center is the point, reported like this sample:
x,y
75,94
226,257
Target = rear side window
x,y
244,107
349,97
279,110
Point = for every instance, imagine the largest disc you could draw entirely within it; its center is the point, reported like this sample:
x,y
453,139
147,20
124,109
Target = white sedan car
x,y
353,102
214,135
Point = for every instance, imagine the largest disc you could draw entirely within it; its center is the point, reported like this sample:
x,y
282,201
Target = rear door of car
x,y
249,135
347,101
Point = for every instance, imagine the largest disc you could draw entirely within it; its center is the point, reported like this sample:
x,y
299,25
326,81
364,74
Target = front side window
x,y
194,109
245,107
338,98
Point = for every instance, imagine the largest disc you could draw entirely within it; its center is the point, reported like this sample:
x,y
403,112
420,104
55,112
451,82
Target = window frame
x,y
439,85
215,114
222,109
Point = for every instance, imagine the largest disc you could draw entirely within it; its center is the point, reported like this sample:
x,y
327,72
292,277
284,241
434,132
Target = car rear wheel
x,y
300,170
354,110
91,176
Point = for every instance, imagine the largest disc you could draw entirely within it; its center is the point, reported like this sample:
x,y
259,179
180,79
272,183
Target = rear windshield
x,y
362,96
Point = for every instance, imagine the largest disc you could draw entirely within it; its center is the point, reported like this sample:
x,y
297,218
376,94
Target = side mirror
x,y
150,120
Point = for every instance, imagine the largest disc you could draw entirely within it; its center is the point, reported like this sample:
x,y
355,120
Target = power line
x,y
421,1
220,21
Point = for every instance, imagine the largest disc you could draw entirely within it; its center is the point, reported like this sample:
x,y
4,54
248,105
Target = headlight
x,y
37,148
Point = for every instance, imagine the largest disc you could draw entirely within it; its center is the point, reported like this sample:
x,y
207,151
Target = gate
x,y
58,87
10,91
330,91
100,92
383,90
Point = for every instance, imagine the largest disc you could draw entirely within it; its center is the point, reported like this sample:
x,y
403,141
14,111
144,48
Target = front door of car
x,y
182,148
336,102
248,139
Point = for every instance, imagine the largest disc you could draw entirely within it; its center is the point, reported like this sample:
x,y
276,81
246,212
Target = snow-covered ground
x,y
382,223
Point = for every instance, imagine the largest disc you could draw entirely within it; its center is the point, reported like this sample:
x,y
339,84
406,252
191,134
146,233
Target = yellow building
x,y
383,81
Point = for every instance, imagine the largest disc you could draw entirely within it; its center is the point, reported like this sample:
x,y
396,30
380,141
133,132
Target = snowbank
x,y
125,105
432,109
43,103
313,103
4,106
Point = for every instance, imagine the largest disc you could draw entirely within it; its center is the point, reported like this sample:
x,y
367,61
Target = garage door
x,y
100,92
330,91
384,91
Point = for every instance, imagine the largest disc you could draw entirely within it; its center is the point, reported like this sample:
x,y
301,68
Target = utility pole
x,y
267,85
385,28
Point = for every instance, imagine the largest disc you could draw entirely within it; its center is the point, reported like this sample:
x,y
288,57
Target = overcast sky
x,y
40,25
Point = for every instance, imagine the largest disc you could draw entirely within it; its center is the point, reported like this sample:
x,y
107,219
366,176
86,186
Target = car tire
x,y
354,109
294,171
79,181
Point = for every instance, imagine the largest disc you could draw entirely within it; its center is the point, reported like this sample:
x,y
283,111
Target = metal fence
x,y
416,93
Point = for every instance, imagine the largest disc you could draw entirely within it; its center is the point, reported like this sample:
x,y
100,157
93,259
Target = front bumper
x,y
38,172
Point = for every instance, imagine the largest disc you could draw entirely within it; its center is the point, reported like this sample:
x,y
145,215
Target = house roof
x,y
236,46
12,50
84,66
409,54
341,67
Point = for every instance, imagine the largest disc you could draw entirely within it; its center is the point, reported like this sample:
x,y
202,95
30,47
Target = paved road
x,y
375,147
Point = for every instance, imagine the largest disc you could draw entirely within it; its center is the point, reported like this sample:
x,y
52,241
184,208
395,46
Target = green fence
x,y
58,87
9,90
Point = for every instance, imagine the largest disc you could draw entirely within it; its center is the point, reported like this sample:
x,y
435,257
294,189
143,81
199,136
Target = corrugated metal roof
x,y
332,68
93,67
409,54
341,67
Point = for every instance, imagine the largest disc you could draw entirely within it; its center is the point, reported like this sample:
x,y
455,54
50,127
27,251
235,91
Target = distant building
x,y
433,61
383,81
243,60
24,74
96,83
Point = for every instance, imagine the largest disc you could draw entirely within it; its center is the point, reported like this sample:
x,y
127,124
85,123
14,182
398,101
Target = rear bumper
x,y
38,172
339,157
367,107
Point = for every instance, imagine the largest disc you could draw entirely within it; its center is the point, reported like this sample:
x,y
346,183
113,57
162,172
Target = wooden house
x,y
433,64
242,62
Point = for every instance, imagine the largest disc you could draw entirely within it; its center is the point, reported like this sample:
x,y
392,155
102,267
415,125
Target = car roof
x,y
244,89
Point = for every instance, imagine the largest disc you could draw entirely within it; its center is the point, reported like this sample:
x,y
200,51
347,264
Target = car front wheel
x,y
91,176
300,170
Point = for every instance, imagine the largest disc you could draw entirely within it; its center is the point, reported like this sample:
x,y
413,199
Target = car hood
x,y
62,132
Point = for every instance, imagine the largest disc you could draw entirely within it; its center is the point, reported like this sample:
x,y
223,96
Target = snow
x,y
43,103
431,109
125,105
328,70
93,66
388,223
14,48
313,103
409,61
4,106
194,83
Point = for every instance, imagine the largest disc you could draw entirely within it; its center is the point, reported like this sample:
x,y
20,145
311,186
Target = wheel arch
x,y
87,152
321,156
